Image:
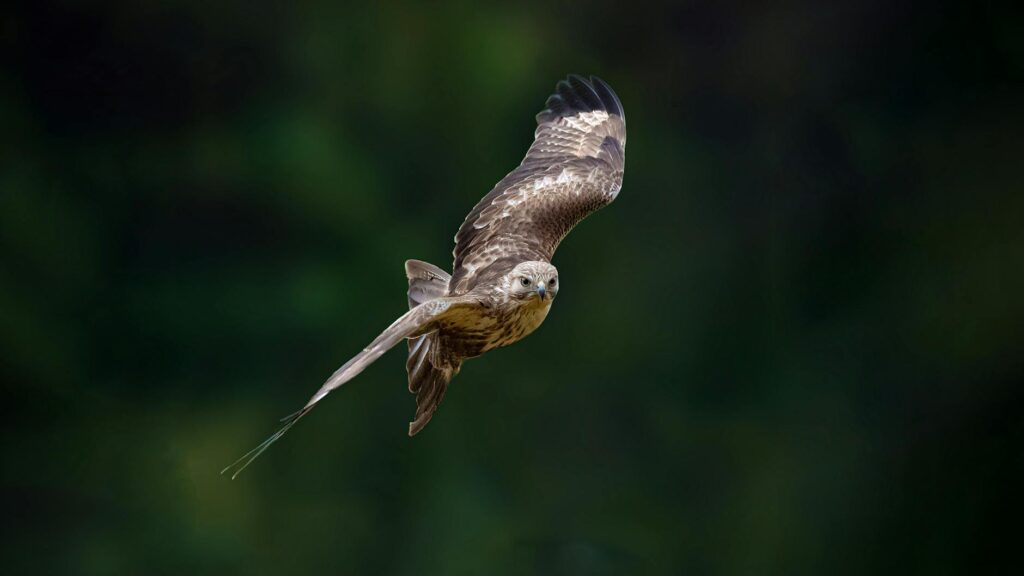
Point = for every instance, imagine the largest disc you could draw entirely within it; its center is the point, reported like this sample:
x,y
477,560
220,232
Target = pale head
x,y
532,281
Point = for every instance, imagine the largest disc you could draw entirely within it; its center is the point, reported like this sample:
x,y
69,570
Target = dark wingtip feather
x,y
608,97
576,94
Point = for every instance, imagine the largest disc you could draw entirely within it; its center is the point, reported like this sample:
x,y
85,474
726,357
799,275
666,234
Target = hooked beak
x,y
540,290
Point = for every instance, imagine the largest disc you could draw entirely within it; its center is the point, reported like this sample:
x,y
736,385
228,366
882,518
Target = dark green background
x,y
792,345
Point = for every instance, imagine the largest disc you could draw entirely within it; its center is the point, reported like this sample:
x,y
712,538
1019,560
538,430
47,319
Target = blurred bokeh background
x,y
792,346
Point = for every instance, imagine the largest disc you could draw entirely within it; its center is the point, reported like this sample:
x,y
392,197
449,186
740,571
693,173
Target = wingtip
x,y
249,457
576,94
608,97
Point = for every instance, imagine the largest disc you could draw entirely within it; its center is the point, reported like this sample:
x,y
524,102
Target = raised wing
x,y
573,167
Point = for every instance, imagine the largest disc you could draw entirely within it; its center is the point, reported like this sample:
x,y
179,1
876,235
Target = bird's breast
x,y
520,322
477,332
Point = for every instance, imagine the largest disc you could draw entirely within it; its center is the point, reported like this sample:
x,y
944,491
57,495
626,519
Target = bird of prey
x,y
502,282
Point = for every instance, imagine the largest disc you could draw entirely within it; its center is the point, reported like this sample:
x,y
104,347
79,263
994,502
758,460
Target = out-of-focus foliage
x,y
792,346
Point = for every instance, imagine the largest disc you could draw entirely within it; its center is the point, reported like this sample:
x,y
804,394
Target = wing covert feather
x,y
573,168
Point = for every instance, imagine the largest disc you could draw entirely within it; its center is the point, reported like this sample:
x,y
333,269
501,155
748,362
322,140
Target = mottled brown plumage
x,y
502,283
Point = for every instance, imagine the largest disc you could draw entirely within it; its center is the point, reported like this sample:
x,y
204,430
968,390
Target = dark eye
x,y
525,281
553,281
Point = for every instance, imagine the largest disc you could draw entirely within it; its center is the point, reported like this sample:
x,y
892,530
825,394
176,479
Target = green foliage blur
x,y
791,346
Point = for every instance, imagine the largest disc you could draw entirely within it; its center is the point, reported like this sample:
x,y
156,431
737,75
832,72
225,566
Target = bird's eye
x,y
553,281
525,281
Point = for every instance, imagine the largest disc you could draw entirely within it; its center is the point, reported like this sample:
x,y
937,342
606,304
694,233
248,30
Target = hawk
x,y
502,282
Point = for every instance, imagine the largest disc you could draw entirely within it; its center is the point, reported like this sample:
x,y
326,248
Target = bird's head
x,y
534,281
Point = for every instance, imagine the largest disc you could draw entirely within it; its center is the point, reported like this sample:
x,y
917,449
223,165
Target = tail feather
x,y
429,384
429,374
426,282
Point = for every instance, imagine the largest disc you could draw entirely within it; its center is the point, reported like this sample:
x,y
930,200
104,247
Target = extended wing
x,y
573,167
420,320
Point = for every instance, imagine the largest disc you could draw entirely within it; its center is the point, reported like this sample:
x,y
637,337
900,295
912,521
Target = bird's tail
x,y
428,373
426,282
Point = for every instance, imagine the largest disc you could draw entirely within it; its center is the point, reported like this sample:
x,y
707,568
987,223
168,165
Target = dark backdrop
x,y
791,346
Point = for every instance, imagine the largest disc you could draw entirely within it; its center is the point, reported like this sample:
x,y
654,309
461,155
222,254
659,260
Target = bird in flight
x,y
502,282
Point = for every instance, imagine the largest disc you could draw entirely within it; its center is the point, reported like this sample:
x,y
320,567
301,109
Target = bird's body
x,y
488,326
502,284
